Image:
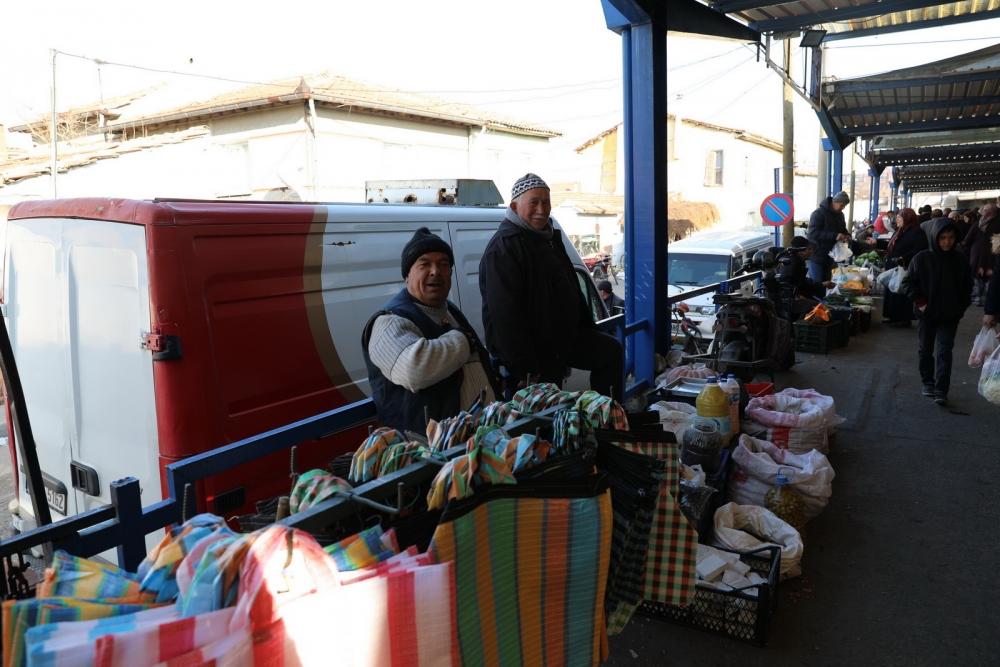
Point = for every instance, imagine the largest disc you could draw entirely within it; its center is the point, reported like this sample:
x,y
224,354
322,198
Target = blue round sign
x,y
777,210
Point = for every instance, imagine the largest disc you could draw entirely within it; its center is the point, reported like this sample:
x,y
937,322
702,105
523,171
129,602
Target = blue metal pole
x,y
629,192
876,183
829,173
838,171
649,202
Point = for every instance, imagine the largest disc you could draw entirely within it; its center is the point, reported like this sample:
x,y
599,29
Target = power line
x,y
99,62
739,96
696,62
718,75
926,43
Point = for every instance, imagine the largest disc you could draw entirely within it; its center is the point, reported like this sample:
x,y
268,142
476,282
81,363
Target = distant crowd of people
x,y
951,261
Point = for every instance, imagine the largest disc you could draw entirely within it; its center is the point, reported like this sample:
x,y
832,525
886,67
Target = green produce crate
x,y
821,338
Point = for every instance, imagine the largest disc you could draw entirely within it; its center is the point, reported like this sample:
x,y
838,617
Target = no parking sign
x,y
777,209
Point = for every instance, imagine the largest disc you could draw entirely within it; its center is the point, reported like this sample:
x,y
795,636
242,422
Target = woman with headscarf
x,y
980,252
909,239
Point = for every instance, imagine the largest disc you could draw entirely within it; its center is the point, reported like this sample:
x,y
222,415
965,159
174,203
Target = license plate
x,y
56,500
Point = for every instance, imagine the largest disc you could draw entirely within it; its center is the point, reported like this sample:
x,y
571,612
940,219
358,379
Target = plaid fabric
x,y
314,487
530,575
159,569
458,478
73,577
367,460
397,457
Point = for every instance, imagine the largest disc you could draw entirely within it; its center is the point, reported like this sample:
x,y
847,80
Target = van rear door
x,y
78,307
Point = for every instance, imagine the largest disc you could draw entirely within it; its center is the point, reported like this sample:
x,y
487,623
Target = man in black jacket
x,y
536,318
826,227
939,282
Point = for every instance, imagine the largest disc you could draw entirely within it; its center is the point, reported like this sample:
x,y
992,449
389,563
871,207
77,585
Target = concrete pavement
x,y
899,569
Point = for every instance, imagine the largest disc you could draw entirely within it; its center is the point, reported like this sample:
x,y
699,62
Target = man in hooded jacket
x,y
939,283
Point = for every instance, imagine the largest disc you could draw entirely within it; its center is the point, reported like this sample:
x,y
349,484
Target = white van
x,y
149,331
707,258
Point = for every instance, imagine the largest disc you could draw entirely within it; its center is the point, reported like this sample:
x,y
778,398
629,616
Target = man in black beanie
x,y
420,350
536,318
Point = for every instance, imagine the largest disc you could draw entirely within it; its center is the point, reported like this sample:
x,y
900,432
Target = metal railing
x,y
124,524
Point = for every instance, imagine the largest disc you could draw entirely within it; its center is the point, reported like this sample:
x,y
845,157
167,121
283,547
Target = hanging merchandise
x,y
73,577
367,461
367,548
531,563
313,487
458,477
159,569
450,432
713,405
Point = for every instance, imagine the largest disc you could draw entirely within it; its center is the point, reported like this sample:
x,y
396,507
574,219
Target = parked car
x,y
149,331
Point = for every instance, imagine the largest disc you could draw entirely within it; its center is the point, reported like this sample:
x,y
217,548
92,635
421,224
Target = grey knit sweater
x,y
408,359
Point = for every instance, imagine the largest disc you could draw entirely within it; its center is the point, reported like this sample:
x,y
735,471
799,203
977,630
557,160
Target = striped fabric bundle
x,y
158,570
571,432
458,478
601,411
215,583
368,547
314,487
497,414
451,432
519,453
530,572
397,457
21,615
368,459
153,643
73,577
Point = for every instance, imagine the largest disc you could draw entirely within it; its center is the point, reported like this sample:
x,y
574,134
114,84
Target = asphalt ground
x,y
900,569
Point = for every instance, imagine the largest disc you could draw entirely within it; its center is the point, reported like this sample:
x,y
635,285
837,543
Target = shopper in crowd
x,y
947,212
992,300
420,350
792,271
909,239
980,256
865,233
927,226
536,319
826,227
937,213
614,303
939,283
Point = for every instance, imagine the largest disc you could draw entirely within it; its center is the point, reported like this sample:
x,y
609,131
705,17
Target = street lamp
x,y
812,38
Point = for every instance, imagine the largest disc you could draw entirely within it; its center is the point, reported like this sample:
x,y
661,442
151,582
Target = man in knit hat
x,y
420,350
537,321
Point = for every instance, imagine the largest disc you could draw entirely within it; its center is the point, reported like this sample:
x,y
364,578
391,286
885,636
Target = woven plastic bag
x,y
735,523
989,380
985,344
787,411
825,403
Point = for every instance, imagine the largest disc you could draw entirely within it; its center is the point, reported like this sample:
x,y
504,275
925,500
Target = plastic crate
x,y
735,614
820,338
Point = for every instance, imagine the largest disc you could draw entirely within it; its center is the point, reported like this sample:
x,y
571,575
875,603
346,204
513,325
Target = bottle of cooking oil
x,y
732,389
713,405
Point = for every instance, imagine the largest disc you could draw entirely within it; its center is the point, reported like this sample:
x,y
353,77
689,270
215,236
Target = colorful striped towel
x,y
314,487
530,572
73,577
367,460
158,570
450,432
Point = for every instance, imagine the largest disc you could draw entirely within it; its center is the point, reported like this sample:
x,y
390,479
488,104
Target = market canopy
x,y
841,19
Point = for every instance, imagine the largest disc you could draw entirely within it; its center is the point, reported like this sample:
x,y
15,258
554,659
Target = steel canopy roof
x,y
855,18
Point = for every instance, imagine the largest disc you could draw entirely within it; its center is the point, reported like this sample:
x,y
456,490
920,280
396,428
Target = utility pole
x,y
788,143
53,129
850,210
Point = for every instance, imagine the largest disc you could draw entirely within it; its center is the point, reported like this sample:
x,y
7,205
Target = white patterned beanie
x,y
525,183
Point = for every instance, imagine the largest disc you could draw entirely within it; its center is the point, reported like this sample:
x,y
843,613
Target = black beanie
x,y
604,286
800,242
422,243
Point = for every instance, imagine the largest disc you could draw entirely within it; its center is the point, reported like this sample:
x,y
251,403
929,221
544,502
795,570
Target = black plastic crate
x,y
734,613
821,338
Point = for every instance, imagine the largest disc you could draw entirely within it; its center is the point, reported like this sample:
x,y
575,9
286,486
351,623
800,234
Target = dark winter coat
x,y
794,273
911,241
824,226
533,307
940,281
978,240
992,303
615,305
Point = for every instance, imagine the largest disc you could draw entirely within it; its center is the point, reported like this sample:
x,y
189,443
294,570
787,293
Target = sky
x,y
722,82
551,62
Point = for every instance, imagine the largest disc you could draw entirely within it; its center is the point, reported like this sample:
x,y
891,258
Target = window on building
x,y
713,168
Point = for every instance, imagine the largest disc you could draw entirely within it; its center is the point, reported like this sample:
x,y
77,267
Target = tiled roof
x,y
591,203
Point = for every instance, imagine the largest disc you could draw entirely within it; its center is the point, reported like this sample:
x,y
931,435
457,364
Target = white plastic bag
x,y
841,252
892,278
989,380
985,344
759,462
735,523
675,417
